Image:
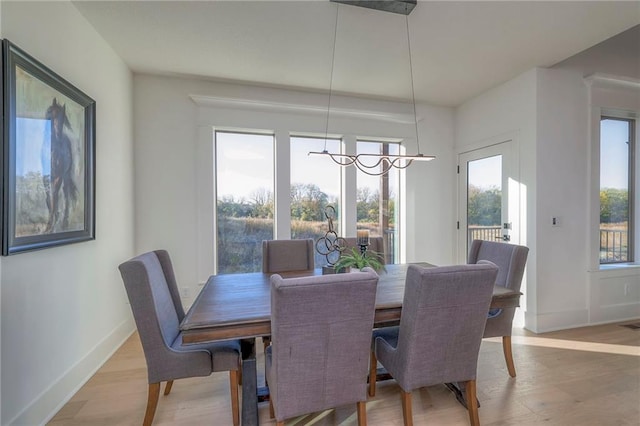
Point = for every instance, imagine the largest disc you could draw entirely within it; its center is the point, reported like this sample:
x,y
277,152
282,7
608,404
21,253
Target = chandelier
x,y
376,164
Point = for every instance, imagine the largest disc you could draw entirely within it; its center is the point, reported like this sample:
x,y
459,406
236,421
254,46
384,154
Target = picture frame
x,y
48,157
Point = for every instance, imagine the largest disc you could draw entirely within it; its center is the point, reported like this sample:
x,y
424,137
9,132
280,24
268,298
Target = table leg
x,y
460,393
458,389
249,384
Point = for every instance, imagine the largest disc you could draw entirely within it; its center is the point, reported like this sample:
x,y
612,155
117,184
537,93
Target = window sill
x,y
619,270
616,266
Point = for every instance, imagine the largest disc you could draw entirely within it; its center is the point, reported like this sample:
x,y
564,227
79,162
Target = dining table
x,y
238,306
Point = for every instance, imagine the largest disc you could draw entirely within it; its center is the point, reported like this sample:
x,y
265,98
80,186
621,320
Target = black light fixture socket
x,y
403,7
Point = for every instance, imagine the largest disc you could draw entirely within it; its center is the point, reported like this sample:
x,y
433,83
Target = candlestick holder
x,y
363,240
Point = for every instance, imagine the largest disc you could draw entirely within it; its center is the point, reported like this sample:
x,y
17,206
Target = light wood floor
x,y
586,376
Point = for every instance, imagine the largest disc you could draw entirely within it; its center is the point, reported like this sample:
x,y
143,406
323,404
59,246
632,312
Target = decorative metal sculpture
x,y
330,245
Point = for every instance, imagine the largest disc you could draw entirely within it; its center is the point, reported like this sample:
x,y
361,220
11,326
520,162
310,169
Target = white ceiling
x,y
458,49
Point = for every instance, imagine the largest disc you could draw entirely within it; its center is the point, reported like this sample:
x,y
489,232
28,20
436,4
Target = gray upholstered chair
x,y
157,310
321,328
438,340
511,260
287,255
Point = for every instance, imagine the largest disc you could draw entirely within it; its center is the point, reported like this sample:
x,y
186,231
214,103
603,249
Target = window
x,y
484,199
247,212
313,188
377,199
244,199
617,165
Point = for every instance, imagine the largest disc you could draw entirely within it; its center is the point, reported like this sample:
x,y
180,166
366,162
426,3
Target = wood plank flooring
x,y
585,376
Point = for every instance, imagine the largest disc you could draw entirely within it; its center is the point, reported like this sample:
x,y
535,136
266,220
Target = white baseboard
x,y
615,313
49,402
553,321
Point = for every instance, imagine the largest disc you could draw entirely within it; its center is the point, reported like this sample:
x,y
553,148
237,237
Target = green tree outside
x,y
484,206
614,205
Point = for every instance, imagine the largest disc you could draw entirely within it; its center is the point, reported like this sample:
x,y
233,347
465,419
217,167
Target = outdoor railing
x,y
244,254
485,233
390,247
614,245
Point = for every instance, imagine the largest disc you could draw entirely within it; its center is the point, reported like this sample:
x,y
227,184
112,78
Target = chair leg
x,y
362,413
152,403
474,420
235,405
373,370
266,341
508,355
167,387
272,414
407,413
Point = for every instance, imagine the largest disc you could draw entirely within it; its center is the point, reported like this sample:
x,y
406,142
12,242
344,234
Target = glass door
x,y
488,197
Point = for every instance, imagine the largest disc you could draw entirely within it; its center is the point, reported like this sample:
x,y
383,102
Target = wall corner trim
x,y
610,80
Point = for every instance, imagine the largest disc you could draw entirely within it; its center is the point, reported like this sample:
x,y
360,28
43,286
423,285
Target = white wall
x,y
64,309
431,191
617,56
562,175
614,290
573,289
508,112
549,110
174,160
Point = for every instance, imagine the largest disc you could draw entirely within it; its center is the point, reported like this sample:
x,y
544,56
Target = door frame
x,y
507,146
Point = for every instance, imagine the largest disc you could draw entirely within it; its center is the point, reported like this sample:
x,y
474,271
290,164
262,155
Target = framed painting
x,y
48,157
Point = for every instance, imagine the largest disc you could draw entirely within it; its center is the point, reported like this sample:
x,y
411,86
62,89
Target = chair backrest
x,y
375,244
154,311
509,258
443,317
321,330
287,255
167,268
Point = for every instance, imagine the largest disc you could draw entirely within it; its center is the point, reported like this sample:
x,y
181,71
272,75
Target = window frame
x,y
215,194
632,120
395,245
282,155
338,220
611,96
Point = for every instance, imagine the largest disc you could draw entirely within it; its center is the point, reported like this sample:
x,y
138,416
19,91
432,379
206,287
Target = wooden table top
x,y
235,306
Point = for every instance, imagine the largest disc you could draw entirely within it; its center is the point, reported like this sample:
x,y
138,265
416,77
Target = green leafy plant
x,y
353,258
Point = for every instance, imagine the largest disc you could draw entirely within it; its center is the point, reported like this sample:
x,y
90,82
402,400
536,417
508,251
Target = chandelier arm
x,y
399,166
367,172
383,170
349,160
419,157
377,163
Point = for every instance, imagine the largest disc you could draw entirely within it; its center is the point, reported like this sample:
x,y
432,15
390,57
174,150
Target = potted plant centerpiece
x,y
354,258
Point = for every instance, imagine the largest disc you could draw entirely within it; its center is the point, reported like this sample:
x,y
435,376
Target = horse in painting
x,y
57,158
